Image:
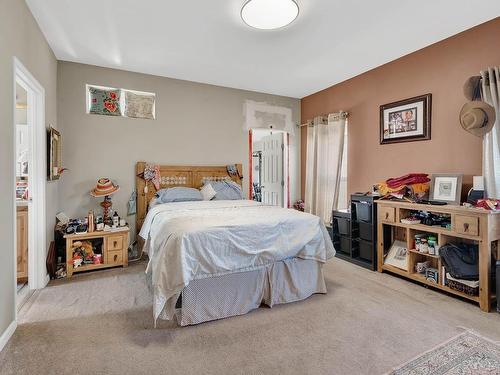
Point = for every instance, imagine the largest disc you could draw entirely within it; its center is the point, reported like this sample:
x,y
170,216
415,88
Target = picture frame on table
x,y
406,120
446,187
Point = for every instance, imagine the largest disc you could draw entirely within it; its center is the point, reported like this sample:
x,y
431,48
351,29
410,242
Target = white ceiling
x,y
206,40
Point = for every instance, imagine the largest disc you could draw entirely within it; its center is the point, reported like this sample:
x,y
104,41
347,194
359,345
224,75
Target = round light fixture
x,y
269,14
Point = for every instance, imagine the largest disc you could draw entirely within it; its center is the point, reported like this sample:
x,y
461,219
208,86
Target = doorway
x,y
269,167
22,188
29,180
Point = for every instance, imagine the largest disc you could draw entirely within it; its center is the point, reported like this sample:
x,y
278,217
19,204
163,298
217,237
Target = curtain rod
x,y
310,122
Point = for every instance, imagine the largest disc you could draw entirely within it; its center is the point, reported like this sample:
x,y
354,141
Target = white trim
x,y
7,334
37,275
22,297
286,172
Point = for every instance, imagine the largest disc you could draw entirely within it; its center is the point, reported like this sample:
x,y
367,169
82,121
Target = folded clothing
x,y
470,283
407,179
413,186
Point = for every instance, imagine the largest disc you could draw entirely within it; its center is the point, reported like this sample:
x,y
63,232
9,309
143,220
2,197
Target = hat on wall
x,y
472,88
104,187
477,118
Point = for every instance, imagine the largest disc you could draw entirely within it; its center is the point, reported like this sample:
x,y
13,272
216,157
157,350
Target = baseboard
x,y
4,339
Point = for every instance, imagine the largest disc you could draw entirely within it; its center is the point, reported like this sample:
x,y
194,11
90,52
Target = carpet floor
x,y
368,323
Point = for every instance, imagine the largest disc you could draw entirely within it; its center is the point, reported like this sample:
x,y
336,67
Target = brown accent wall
x,y
440,69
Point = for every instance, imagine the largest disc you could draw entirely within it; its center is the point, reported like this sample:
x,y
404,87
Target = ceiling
x,y
206,40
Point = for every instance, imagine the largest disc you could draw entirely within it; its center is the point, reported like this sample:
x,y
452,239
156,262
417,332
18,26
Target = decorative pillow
x,y
226,190
207,192
104,102
179,194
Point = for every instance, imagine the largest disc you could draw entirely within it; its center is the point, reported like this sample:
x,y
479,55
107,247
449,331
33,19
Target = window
x,y
343,196
110,101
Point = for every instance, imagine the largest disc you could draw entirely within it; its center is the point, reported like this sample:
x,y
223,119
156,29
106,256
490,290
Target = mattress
x,y
189,241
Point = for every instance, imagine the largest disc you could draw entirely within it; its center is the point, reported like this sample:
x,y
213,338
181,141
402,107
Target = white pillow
x,y
207,192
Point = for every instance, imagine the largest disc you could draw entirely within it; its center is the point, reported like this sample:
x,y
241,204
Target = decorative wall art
x,y
139,105
110,101
406,120
104,101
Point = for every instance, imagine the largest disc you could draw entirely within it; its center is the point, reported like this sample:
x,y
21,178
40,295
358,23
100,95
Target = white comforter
x,y
193,240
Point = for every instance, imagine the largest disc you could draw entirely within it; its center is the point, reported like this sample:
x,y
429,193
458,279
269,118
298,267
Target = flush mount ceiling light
x,y
269,14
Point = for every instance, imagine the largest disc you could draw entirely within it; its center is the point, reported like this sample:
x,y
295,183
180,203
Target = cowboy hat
x,y
104,187
472,88
477,118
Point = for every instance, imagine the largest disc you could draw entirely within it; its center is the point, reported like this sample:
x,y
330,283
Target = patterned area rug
x,y
466,353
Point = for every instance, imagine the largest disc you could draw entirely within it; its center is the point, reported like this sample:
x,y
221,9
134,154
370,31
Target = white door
x,y
272,169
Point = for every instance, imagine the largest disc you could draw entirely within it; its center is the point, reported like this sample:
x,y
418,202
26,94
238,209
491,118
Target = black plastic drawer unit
x,y
354,236
330,231
344,245
363,211
342,226
366,250
365,231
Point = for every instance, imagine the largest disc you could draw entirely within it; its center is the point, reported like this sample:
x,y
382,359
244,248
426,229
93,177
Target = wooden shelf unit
x,y
471,225
114,249
22,243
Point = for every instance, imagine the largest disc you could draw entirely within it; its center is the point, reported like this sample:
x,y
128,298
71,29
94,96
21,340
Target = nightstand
x,y
112,245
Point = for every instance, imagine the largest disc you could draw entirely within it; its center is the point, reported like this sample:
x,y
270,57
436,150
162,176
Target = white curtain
x,y
491,143
325,143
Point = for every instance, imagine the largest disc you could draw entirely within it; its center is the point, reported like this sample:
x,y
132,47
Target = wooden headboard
x,y
187,176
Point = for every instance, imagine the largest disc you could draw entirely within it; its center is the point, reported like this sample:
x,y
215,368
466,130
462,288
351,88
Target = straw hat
x,y
472,88
477,118
104,187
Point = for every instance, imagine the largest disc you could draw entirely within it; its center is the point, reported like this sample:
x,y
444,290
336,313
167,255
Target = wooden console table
x,y
470,225
114,249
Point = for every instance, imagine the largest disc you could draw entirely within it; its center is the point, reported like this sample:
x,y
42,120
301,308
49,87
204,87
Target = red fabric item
x,y
407,179
489,204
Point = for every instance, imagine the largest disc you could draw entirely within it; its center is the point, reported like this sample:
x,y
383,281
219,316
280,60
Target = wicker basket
x,y
463,288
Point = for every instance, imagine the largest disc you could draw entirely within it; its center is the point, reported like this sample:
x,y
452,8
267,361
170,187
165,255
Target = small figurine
x,y
116,219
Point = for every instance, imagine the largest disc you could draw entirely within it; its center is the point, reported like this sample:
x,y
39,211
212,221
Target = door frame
x,y
37,274
286,166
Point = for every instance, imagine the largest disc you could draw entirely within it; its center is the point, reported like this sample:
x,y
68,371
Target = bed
x,y
215,259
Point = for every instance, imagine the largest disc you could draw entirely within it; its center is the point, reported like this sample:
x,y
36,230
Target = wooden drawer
x,y
387,214
467,225
114,257
115,242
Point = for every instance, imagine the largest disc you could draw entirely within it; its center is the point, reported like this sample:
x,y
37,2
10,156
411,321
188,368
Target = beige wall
x,y
20,37
440,69
196,124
